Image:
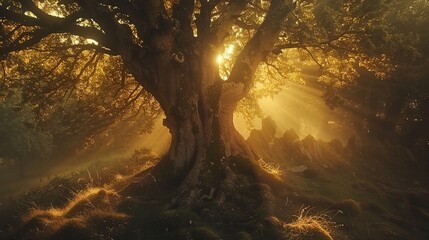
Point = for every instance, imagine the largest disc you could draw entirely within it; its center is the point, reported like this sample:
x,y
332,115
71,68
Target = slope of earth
x,y
369,189
312,190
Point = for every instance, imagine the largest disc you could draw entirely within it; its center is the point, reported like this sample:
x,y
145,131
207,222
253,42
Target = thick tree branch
x,y
261,44
277,49
17,45
119,36
145,14
25,20
45,25
39,13
183,13
36,36
203,19
223,24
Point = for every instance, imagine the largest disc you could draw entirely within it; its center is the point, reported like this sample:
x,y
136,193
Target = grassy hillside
x,y
313,190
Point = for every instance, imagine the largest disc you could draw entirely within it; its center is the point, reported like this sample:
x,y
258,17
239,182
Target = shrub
x,y
21,139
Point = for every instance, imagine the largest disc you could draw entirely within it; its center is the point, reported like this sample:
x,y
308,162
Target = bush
x,y
21,139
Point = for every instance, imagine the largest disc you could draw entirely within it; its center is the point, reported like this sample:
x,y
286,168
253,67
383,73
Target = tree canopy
x,y
336,36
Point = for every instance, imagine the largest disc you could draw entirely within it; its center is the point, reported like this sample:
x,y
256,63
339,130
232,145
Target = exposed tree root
x,y
236,194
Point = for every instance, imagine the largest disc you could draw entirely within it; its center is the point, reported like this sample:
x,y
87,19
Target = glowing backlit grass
x,y
316,227
93,203
273,169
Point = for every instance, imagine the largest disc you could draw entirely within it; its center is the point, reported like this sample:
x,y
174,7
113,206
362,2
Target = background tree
x,y
170,48
396,108
62,88
22,140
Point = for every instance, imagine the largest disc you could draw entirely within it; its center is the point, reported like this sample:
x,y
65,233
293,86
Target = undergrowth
x,y
310,227
77,202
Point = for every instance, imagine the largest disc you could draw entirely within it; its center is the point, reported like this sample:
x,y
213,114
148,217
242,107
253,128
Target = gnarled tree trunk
x,y
180,71
200,121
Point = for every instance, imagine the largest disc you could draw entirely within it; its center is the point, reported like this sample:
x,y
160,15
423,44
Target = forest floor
x,y
364,190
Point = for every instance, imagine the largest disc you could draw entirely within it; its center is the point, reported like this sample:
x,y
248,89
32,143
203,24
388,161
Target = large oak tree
x,y
170,49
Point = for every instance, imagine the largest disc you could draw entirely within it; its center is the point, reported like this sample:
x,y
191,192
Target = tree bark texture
x,y
180,71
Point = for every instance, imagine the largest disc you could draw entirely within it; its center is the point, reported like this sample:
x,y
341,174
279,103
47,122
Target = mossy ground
x,y
366,193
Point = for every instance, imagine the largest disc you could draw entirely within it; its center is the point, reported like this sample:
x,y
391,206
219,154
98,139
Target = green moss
x,y
242,236
242,167
72,230
178,219
349,207
199,233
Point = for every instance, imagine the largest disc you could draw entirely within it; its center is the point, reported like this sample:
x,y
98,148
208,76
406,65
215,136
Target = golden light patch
x,y
219,59
272,169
